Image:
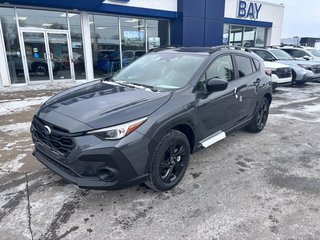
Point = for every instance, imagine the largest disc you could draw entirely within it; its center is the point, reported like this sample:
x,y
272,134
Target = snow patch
x,y
20,106
13,165
15,128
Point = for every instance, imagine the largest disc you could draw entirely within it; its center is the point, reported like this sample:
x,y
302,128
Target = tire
x,y
260,118
294,76
169,161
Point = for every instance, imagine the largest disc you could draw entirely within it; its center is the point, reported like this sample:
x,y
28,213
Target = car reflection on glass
x,y
108,61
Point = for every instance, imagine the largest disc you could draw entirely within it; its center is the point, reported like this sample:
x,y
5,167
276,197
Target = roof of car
x,y
198,50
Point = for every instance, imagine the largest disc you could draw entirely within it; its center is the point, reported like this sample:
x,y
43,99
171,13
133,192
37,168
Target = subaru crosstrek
x,y
142,124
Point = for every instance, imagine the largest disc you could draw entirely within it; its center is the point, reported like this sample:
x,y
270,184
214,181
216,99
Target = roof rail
x,y
220,47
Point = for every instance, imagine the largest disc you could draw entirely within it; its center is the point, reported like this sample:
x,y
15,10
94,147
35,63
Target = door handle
x,y
235,91
257,81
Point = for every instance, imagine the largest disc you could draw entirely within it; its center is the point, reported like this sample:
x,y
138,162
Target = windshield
x,y
162,70
314,52
280,54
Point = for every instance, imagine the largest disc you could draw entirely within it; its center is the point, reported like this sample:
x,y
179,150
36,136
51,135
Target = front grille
x,y
58,139
283,72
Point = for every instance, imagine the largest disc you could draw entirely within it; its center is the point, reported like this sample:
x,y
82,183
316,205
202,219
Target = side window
x,y
221,68
264,54
256,64
244,66
299,54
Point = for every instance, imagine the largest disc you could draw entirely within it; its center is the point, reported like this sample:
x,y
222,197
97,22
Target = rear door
x,y
249,81
218,110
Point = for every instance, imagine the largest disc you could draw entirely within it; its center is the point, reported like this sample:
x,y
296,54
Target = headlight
x,y
307,67
119,131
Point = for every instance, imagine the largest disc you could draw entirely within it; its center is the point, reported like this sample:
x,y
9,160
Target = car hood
x,y
296,62
100,104
274,65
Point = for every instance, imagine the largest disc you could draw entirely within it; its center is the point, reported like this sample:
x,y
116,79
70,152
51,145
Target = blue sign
x,y
249,9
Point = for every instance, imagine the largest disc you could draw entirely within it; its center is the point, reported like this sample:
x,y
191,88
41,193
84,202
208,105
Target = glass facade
x,y
11,40
77,45
51,45
105,44
133,39
42,19
136,36
244,36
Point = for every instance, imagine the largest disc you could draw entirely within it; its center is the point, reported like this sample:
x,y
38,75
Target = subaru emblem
x,y
47,130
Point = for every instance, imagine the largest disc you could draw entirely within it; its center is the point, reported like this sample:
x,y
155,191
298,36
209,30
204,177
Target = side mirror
x,y
270,59
216,85
307,57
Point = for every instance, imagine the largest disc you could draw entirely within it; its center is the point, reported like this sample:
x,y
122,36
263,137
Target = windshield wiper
x,y
145,86
136,85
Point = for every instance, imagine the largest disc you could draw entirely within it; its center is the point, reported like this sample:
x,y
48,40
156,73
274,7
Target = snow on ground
x,y
10,107
13,165
56,86
16,127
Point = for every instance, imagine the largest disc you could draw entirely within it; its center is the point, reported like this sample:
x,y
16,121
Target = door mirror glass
x,y
306,57
216,85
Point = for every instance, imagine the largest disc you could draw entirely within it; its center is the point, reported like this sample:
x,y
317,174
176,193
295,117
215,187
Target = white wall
x,y
269,12
166,5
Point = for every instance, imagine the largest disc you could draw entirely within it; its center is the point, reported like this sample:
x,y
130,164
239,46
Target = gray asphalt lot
x,y
248,186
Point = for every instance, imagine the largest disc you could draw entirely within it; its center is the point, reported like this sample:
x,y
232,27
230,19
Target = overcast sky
x,y
301,18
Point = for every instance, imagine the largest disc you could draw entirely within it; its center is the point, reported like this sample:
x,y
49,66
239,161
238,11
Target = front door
x,y
219,111
46,55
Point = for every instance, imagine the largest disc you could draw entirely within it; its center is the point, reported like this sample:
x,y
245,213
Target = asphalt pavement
x,y
248,186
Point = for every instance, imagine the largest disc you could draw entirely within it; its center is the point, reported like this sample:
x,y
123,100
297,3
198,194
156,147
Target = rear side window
x,y
244,66
266,56
221,68
256,64
299,53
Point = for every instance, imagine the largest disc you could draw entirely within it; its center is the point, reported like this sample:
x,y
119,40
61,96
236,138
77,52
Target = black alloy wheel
x,y
169,161
173,162
260,118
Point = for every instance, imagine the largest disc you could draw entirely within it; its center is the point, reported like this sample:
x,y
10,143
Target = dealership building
x,y
55,41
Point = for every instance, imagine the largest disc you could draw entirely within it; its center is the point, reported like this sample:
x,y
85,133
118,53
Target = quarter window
x,y
299,53
266,56
221,68
256,64
244,66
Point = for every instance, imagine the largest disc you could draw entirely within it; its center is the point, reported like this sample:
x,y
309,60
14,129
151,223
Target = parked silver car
x,y
302,70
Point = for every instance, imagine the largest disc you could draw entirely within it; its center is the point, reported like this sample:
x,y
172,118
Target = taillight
x,y
269,72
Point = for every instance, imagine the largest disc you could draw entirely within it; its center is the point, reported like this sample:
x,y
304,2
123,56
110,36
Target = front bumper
x,y
88,182
94,163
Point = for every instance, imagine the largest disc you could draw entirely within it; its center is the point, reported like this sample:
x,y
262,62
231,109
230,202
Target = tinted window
x,y
263,54
299,53
256,64
244,66
221,68
281,55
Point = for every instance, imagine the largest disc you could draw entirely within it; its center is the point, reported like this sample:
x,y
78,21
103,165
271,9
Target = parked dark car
x,y
142,124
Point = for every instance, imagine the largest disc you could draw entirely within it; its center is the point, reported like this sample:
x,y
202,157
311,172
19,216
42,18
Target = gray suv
x,y
302,71
142,124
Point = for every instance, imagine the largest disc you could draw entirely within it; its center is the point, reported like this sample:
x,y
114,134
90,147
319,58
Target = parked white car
x,y
306,53
281,73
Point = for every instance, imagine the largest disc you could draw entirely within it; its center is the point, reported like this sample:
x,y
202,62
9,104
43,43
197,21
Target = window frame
x,y
196,87
253,68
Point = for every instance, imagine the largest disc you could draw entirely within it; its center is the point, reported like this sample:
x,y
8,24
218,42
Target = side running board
x,y
216,137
